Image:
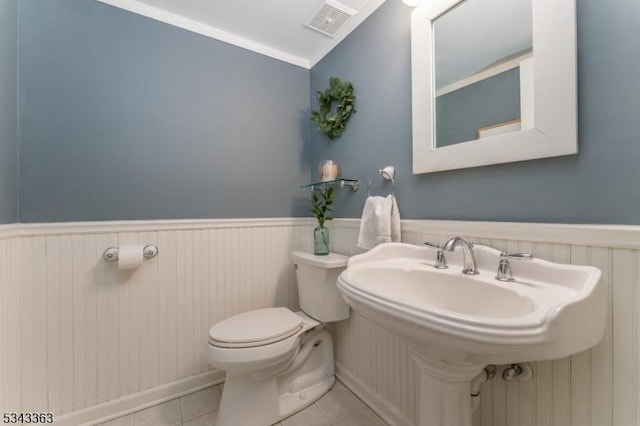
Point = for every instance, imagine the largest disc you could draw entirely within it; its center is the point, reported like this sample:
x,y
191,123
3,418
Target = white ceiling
x,y
271,27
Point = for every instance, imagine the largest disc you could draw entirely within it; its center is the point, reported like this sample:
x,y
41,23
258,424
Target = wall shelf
x,y
352,183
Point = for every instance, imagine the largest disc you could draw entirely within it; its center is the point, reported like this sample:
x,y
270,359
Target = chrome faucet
x,y
470,267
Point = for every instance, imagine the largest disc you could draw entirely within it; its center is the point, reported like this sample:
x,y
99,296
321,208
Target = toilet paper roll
x,y
130,257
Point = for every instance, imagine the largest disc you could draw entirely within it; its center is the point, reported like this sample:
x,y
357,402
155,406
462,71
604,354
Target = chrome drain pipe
x,y
487,373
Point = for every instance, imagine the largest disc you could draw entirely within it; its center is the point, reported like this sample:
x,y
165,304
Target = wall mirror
x,y
493,81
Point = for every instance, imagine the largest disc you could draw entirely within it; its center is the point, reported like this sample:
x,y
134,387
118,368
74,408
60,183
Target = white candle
x,y
328,170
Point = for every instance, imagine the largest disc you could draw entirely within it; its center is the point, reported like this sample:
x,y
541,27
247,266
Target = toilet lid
x,y
256,328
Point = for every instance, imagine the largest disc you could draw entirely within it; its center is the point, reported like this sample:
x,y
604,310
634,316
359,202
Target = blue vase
x,y
321,241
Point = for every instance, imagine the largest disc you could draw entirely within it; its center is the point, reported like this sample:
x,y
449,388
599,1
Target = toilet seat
x,y
259,346
256,328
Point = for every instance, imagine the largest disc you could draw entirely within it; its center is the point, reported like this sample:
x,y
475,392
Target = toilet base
x,y
291,403
254,400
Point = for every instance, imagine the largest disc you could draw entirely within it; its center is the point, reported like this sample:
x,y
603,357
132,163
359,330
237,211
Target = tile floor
x,y
337,407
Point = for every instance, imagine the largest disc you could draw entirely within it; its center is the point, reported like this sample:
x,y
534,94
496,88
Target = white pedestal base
x,y
444,398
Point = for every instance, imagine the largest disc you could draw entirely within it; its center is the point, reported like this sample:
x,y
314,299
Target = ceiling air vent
x,y
329,16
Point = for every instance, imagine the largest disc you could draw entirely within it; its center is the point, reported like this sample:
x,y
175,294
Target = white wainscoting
x,y
86,341
599,387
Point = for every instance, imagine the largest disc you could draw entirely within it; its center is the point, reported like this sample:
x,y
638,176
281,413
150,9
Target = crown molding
x,y
206,30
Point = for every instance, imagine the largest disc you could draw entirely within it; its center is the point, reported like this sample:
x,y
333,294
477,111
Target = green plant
x,y
332,123
320,204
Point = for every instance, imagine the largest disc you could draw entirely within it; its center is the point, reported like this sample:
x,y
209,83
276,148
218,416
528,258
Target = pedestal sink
x,y
456,324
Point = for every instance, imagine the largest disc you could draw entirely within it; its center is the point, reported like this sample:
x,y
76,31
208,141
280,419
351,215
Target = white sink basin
x,y
456,324
440,293
551,310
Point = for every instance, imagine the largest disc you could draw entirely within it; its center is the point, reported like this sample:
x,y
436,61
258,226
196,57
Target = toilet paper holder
x,y
111,254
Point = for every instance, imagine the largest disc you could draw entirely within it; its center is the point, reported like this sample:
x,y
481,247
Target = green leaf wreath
x,y
332,122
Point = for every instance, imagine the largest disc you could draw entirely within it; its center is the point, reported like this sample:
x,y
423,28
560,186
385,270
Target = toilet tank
x,y
317,289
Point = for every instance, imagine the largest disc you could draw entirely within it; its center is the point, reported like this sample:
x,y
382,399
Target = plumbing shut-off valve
x,y
521,372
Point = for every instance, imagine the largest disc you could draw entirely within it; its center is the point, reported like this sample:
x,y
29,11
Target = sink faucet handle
x,y
504,267
516,256
441,261
434,245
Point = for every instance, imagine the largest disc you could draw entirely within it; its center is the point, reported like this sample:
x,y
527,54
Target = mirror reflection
x,y
483,70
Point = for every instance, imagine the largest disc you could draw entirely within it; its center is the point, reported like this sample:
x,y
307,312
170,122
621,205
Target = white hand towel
x,y
380,222
395,220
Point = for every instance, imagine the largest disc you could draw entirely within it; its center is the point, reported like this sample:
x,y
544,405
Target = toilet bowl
x,y
278,361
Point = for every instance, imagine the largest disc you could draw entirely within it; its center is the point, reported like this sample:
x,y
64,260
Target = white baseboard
x,y
390,415
120,407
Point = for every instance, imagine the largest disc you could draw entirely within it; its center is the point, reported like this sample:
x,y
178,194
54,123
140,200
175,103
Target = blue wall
x,y
123,117
8,120
598,185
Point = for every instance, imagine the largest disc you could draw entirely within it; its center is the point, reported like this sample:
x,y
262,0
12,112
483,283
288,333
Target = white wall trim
x,y
129,404
616,236
207,30
65,228
9,231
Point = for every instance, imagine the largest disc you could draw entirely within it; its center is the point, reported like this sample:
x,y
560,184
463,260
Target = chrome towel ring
x,y
388,173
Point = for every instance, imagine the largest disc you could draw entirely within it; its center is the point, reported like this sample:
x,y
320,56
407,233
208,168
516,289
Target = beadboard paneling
x,y
77,332
599,387
10,333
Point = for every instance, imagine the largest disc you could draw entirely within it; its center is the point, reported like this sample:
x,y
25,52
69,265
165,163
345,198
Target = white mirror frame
x,y
554,85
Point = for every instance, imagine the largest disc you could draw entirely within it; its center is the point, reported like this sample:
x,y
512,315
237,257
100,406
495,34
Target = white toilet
x,y
278,361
